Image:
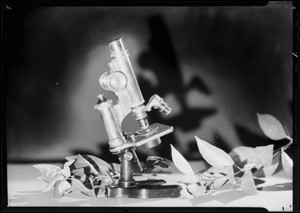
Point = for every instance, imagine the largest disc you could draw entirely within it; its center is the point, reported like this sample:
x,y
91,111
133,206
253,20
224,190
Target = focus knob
x,y
114,81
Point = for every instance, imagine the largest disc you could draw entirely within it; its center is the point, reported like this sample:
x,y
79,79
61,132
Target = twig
x,y
285,147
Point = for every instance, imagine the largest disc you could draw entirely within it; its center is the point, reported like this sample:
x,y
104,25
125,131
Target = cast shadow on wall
x,y
161,59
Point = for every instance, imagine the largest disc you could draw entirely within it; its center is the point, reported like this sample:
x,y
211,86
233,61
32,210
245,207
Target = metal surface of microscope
x,y
122,81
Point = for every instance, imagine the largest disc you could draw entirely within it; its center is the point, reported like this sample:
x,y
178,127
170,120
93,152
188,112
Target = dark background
x,y
215,66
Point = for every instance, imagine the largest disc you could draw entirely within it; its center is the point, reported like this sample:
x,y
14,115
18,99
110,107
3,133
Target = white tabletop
x,y
275,194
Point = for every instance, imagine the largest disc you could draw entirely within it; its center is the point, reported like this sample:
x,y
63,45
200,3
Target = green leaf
x,y
216,184
77,185
95,163
211,176
116,167
242,155
261,155
264,154
61,188
70,158
248,184
103,182
196,189
185,193
287,164
66,169
79,172
271,127
213,155
88,183
82,162
216,173
48,172
100,165
228,170
181,163
267,171
100,162
52,183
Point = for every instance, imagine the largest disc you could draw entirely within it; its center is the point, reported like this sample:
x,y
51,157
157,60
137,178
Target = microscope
x,y
121,80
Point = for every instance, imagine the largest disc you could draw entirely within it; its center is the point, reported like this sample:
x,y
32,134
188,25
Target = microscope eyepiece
x,y
117,48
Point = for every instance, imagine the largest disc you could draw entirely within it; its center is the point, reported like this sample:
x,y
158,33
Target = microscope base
x,y
144,189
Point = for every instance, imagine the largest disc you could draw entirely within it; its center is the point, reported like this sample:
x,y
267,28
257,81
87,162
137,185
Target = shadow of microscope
x,y
162,60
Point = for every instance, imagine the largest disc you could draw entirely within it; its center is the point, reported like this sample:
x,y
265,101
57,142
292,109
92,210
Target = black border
x,y
8,5
44,3
296,126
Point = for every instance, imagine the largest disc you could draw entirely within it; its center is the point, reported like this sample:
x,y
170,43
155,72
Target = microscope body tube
x,y
114,133
120,62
